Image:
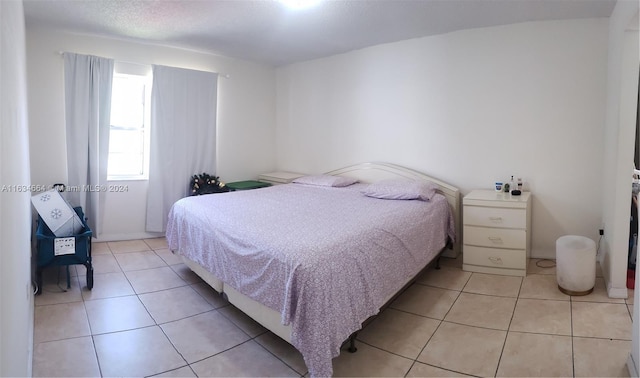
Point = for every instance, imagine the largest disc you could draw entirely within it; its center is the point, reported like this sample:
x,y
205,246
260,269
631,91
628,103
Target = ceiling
x,y
266,31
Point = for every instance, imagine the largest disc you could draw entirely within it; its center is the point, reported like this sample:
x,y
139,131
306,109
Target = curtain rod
x,y
226,76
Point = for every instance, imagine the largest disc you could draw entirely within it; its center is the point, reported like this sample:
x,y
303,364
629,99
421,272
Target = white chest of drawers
x,y
496,232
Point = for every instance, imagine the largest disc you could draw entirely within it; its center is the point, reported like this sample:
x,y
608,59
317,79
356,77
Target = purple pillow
x,y
325,180
398,189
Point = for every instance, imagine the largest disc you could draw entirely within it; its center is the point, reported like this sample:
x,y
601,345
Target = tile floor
x,y
148,314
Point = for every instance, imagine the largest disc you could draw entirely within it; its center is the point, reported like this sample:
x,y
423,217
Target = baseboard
x,y
543,254
132,236
617,292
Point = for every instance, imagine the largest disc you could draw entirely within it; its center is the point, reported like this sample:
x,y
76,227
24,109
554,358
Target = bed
x,y
311,262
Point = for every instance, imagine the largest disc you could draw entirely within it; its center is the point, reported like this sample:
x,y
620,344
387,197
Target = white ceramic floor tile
x,y
128,246
182,372
186,273
542,286
600,357
370,362
541,266
482,311
66,358
536,355
470,341
60,321
244,322
419,370
542,316
104,263
169,257
599,294
246,360
139,260
284,351
117,314
156,243
464,349
98,248
202,336
445,278
137,353
213,297
426,301
493,284
173,304
601,320
108,285
54,292
399,332
149,280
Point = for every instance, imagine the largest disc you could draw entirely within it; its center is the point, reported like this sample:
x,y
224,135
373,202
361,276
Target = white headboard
x,y
372,172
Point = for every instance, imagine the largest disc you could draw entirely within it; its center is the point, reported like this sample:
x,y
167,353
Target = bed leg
x,y
352,343
438,263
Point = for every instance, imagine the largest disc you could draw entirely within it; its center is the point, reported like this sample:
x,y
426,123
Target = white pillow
x,y
325,180
399,189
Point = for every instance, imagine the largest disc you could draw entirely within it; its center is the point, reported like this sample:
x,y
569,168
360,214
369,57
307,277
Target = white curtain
x,y
183,137
87,88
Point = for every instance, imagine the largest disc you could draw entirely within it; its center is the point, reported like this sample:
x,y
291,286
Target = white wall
x,y
622,95
246,115
468,107
622,106
16,295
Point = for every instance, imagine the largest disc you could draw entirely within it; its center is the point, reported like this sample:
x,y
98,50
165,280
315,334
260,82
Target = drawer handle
x,y
495,239
496,219
496,260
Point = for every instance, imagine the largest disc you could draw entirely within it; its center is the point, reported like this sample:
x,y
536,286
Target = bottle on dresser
x,y
516,188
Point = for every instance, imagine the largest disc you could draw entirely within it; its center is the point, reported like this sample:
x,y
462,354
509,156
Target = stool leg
x,y
68,278
38,281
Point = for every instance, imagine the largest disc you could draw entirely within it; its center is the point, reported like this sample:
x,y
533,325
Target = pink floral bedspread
x,y
325,258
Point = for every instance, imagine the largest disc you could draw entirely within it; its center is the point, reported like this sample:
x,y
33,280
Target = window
x,y
129,134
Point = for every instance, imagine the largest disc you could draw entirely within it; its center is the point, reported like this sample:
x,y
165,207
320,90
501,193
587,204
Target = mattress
x,y
325,258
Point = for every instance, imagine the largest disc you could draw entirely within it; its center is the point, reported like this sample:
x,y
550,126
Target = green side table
x,y
246,185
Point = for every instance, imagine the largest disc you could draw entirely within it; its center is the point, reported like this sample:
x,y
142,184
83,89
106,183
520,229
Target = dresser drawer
x,y
495,237
494,217
496,258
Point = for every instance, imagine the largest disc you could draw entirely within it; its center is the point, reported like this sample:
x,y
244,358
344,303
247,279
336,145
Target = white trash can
x,y
575,264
